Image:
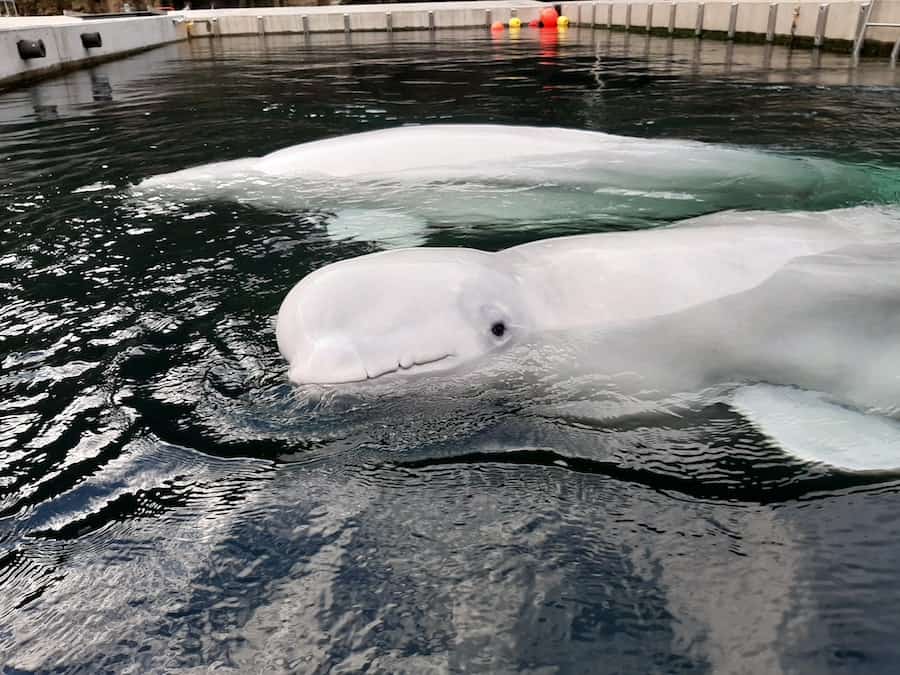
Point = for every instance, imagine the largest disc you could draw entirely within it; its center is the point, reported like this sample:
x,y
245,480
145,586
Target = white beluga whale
x,y
395,185
803,308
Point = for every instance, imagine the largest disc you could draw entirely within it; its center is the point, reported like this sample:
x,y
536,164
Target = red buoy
x,y
549,16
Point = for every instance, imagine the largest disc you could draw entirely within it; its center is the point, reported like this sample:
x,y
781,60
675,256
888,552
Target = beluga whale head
x,y
403,311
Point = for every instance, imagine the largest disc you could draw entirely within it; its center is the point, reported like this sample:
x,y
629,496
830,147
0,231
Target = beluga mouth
x,y
336,362
408,366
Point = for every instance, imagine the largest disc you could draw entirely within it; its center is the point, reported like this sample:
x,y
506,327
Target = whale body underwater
x,y
801,309
394,186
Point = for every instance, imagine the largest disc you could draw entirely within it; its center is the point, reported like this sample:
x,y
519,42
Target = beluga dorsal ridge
x,y
394,185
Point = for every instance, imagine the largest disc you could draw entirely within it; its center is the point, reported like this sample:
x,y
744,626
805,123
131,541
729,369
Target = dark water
x,y
168,502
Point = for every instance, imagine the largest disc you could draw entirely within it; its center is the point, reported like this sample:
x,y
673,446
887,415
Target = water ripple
x,y
169,502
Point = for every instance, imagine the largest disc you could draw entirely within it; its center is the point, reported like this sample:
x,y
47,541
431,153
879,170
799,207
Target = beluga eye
x,y
498,329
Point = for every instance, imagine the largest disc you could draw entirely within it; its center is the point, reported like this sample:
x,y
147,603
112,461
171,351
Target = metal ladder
x,y
8,8
864,24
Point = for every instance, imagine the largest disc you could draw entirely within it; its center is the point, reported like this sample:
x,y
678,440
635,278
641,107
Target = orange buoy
x,y
549,17
497,26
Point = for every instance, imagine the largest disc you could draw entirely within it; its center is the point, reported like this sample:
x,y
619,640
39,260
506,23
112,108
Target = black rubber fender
x,y
31,49
91,40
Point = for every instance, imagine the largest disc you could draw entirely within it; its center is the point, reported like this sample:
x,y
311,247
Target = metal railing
x,y
8,8
865,23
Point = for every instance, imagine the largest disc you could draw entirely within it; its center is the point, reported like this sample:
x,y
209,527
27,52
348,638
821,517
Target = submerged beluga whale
x,y
392,185
802,308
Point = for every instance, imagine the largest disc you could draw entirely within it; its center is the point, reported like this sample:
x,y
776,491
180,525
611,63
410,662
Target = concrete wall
x,y
62,41
804,22
357,18
885,11
813,22
832,25
85,93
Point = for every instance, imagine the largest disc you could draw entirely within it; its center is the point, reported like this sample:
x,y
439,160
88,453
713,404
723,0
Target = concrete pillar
x,y
821,25
773,17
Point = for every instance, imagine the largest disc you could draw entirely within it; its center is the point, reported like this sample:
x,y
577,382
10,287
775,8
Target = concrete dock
x,y
56,44
36,47
352,18
834,26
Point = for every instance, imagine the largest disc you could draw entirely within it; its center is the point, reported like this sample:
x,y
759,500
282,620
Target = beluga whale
x,y
801,310
396,186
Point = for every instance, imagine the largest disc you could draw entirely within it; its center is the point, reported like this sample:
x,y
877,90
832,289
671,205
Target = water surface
x,y
169,502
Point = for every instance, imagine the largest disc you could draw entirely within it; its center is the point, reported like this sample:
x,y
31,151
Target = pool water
x,y
168,501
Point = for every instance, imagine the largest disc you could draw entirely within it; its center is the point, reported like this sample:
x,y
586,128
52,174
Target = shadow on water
x,y
169,502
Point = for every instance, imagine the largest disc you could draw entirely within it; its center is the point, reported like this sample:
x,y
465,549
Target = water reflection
x,y
101,89
73,95
730,585
326,568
